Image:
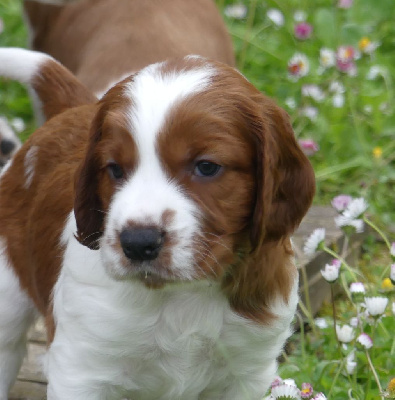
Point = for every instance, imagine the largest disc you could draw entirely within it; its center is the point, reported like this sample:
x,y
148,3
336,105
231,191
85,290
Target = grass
x,y
356,156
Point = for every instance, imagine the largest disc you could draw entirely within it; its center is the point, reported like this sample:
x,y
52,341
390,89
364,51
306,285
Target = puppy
x,y
151,229
102,41
9,141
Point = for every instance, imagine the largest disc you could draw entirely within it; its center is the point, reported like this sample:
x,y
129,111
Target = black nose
x,y
6,146
141,244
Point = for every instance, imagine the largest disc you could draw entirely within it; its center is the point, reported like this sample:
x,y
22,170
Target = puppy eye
x,y
206,168
115,170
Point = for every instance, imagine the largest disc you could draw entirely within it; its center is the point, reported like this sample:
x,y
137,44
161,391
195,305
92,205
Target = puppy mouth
x,y
152,279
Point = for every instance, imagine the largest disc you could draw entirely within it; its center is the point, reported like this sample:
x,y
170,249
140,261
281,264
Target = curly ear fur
x,y
285,178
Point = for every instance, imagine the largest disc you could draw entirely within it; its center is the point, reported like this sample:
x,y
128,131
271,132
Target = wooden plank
x,y
31,381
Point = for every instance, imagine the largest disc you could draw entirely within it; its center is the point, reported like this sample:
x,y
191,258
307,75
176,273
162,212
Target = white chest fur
x,y
119,339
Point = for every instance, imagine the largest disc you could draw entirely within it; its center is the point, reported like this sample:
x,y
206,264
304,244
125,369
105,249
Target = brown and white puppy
x,y
152,230
103,41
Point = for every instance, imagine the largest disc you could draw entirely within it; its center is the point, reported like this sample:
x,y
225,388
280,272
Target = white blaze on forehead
x,y
154,93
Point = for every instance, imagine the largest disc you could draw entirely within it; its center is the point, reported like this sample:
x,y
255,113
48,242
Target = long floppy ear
x,y
285,177
88,210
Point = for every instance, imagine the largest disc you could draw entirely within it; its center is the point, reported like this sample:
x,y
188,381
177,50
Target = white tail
x,y
56,88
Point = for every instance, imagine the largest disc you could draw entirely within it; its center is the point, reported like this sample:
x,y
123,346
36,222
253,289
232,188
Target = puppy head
x,y
189,170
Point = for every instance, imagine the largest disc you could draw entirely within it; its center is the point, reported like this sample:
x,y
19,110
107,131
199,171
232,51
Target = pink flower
x,y
345,57
309,146
341,202
365,341
344,3
392,274
307,390
303,30
392,250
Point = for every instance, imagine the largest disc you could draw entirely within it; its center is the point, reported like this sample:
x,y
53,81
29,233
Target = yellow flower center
x,y
364,43
377,152
387,284
391,387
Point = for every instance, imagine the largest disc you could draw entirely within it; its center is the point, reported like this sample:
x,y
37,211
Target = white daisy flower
x,y
236,11
341,202
276,16
285,391
290,382
365,340
319,396
345,333
330,273
356,208
357,288
374,72
18,124
300,16
338,100
354,322
310,112
321,323
393,307
351,364
313,91
298,66
290,102
327,58
392,274
392,249
314,241
343,221
376,305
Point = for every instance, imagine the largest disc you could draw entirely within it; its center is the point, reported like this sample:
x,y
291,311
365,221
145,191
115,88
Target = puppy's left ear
x,y
285,178
87,203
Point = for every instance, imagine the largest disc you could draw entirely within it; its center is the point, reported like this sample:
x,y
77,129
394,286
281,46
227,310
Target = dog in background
x,y
102,41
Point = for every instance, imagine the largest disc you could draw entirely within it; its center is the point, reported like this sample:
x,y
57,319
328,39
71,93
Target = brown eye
x,y
206,169
115,170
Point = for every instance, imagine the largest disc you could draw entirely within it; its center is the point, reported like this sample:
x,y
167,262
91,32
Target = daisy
x,y
276,16
351,364
18,124
236,11
393,307
357,288
313,91
356,208
310,112
374,72
367,46
344,3
298,65
365,340
303,30
321,323
300,16
307,390
345,333
314,242
285,391
342,221
327,58
392,249
319,396
309,146
338,100
290,102
330,273
392,274
376,305
341,202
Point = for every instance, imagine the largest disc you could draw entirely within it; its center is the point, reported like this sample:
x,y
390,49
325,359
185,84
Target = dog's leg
x,y
16,315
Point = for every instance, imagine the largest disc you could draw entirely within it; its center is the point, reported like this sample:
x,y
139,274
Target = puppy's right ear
x,y
56,88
